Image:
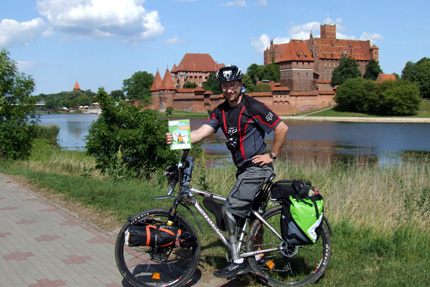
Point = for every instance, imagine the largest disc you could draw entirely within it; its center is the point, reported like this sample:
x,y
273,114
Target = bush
x,y
17,116
398,97
128,142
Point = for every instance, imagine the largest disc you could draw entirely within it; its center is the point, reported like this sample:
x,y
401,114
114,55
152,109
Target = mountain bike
x,y
270,258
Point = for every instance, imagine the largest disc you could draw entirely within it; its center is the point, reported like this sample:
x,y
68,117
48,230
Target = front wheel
x,y
287,265
157,266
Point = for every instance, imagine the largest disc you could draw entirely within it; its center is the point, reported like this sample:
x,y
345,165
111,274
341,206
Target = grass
x,y
380,216
423,112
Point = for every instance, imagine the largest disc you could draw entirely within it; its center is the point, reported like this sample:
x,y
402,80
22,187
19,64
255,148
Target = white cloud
x,y
234,3
262,2
14,33
25,65
174,40
261,43
373,37
125,19
302,32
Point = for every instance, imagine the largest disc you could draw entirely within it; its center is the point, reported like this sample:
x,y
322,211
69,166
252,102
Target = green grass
x,y
423,112
380,216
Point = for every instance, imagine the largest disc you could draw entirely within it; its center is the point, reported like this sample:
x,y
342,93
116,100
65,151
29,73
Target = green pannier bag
x,y
302,211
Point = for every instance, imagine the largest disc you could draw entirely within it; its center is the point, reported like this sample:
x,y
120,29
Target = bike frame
x,y
188,195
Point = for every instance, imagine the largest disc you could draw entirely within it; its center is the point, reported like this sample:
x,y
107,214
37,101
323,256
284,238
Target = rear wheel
x,y
288,265
157,266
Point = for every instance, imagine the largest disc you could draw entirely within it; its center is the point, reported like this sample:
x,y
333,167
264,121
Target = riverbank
x,y
357,119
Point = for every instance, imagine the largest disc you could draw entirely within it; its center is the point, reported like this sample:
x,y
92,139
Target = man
x,y
244,121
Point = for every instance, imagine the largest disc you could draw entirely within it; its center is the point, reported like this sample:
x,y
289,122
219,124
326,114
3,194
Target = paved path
x,y
43,245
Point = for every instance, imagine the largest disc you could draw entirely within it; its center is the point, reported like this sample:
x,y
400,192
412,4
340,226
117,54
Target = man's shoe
x,y
232,269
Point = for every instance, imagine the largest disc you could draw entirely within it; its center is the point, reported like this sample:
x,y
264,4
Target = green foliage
x,y
17,117
247,82
408,72
372,70
388,98
262,88
212,84
118,95
419,73
69,99
253,72
399,98
269,72
126,141
138,87
422,77
190,85
46,132
347,69
169,110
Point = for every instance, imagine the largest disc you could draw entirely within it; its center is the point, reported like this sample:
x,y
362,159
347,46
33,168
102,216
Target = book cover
x,y
180,129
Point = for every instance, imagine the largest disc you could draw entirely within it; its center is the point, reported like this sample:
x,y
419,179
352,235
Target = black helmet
x,y
228,74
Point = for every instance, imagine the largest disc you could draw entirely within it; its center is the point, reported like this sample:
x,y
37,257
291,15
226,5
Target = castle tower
x,y
328,31
76,87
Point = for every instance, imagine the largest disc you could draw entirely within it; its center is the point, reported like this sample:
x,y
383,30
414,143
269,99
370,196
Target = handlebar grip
x,y
184,154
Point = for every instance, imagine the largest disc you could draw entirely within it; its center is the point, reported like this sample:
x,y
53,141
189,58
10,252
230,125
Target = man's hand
x,y
262,159
169,138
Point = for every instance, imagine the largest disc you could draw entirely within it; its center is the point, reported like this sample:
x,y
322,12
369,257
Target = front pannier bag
x,y
302,211
156,235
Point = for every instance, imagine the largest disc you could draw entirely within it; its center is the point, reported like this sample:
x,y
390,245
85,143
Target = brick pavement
x,y
44,245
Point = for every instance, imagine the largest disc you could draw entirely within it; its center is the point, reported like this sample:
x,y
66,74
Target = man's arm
x,y
196,135
279,141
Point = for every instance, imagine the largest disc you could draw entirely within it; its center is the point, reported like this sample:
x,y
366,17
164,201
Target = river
x,y
385,143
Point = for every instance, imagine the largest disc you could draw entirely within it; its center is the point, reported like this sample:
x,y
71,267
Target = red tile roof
x,y
76,87
167,83
386,77
157,82
197,63
296,50
336,48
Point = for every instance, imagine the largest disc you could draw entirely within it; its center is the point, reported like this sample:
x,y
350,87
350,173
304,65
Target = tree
x,y
212,84
190,85
138,87
422,77
270,72
118,95
408,72
399,98
388,98
347,69
17,116
372,70
126,141
252,71
247,82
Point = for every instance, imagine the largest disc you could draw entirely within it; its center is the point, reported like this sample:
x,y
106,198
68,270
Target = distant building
x,y
76,87
385,77
194,68
306,67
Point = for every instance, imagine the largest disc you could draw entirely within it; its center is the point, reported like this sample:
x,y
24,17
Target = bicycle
x,y
281,265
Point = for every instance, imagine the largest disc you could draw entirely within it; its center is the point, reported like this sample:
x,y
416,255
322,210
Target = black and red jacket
x,y
247,122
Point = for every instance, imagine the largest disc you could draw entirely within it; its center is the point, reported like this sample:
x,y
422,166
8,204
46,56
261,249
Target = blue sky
x,y
100,43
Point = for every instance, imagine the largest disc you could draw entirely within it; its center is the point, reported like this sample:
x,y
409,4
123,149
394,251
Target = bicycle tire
x,y
140,268
278,269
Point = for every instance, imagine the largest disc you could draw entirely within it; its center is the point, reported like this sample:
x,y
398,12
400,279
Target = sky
x,y
100,43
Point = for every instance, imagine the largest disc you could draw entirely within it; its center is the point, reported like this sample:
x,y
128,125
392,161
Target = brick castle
x,y
306,67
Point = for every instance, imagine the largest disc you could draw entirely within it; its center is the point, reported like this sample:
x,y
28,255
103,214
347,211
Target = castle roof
x,y
337,48
296,50
167,83
386,77
157,82
197,63
76,87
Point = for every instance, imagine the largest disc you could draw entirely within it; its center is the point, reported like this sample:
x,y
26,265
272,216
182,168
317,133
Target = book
x,y
181,131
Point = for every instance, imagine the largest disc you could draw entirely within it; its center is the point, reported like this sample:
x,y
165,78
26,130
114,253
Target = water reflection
x,y
383,143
